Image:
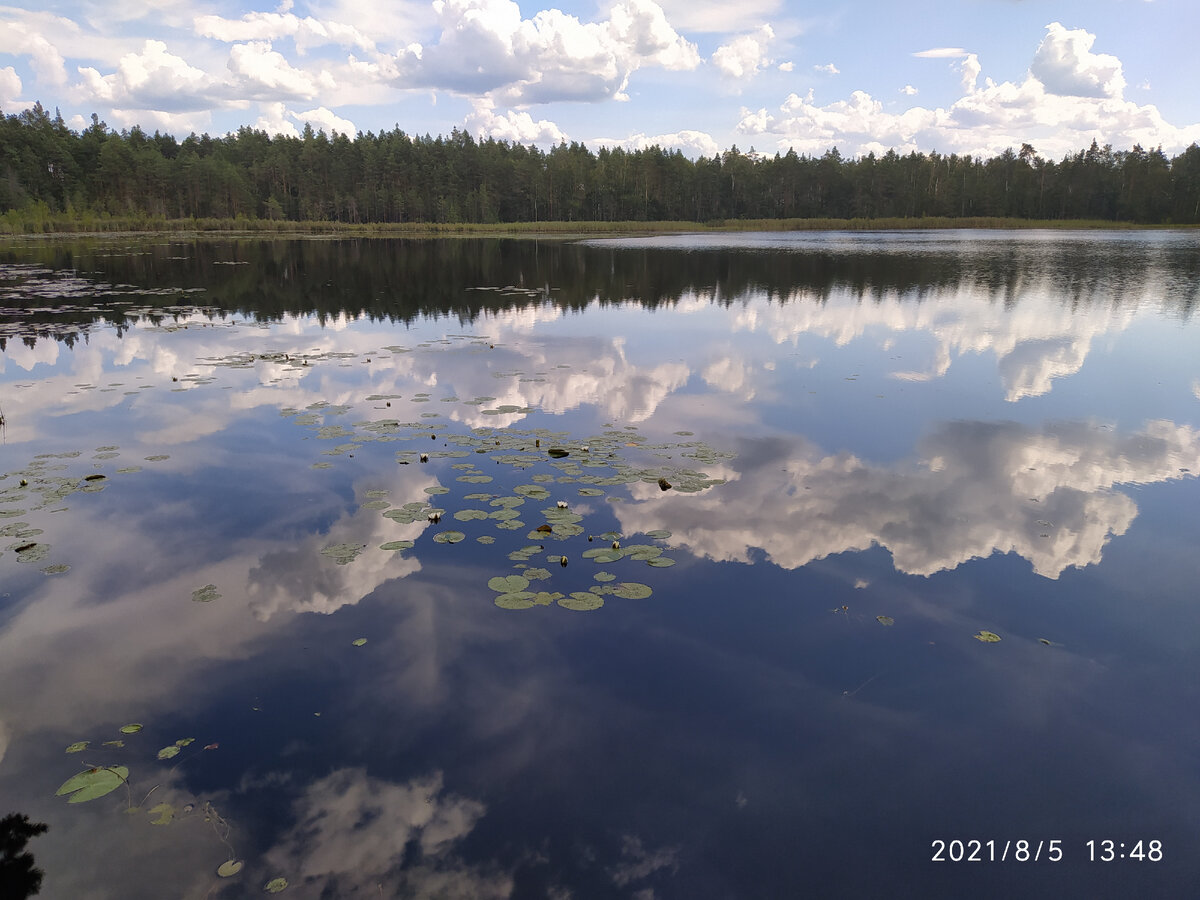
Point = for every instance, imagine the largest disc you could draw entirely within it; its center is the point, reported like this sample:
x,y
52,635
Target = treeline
x,y
49,170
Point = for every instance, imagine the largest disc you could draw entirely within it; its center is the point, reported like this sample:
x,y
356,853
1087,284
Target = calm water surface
x,y
832,467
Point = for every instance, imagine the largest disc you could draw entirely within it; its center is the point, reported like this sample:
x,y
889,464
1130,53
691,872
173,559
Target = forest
x,y
50,172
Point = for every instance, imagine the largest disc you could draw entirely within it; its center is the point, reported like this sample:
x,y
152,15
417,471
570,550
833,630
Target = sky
x,y
971,77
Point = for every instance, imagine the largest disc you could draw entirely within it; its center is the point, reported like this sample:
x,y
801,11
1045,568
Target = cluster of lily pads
x,y
577,470
98,781
43,484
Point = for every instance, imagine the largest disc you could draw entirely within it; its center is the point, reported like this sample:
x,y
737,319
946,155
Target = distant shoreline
x,y
65,227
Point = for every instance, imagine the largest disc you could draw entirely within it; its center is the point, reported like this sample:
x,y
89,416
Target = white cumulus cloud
x,y
1064,64
745,55
261,72
307,32
515,125
10,87
486,48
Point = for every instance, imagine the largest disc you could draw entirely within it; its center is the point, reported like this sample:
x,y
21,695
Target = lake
x,y
731,566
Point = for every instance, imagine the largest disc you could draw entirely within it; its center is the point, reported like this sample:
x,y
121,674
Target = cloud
x,y
974,489
354,832
690,143
1065,65
263,73
26,38
909,91
787,66
514,126
323,119
746,55
486,48
151,79
828,69
259,26
1079,102
10,87
942,53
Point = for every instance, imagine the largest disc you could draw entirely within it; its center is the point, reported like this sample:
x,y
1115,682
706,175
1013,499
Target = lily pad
x,y
633,590
660,562
538,574
486,539
358,642
658,534
342,554
515,600
93,783
605,576
275,885
988,637
205,594
448,537
168,752
230,867
396,545
78,746
163,814
505,584
131,728
885,620
466,515
582,601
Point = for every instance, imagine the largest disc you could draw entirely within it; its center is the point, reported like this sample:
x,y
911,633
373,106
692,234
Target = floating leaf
x,y
78,746
113,744
545,598
131,728
660,562
515,600
205,594
582,601
533,491
168,752
537,574
885,620
505,584
163,814
486,539
605,576
437,489
658,534
466,515
275,885
449,537
343,554
230,868
358,642
396,545
633,590
558,452
183,742
988,637
93,783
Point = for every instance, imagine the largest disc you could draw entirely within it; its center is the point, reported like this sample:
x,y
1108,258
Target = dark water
x,y
832,464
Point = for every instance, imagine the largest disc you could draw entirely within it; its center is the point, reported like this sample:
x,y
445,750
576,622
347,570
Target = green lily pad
x,y
532,491
163,814
448,537
93,783
466,515
486,539
131,728
515,600
988,637
885,620
658,534
183,742
358,642
275,885
78,746
168,752
505,584
437,489
633,590
206,594
660,562
537,574
545,598
396,545
342,554
582,601
113,744
230,867
56,569
605,576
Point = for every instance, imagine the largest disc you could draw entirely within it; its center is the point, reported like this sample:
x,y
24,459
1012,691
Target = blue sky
x,y
974,76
